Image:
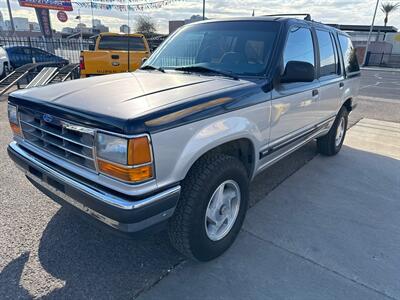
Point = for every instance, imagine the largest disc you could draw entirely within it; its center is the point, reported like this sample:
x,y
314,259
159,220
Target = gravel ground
x,y
46,251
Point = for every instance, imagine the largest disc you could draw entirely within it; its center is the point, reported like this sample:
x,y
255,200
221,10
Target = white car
x,y
4,62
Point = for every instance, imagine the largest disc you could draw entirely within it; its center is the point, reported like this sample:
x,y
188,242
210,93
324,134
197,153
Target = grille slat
x,y
64,135
50,133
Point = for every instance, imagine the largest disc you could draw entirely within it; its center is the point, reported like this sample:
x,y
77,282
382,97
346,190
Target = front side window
x,y
121,43
240,47
349,54
328,59
299,46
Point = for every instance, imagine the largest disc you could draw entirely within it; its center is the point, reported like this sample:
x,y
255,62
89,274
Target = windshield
x,y
239,47
121,43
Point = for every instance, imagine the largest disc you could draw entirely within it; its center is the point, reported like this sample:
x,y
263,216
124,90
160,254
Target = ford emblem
x,y
47,118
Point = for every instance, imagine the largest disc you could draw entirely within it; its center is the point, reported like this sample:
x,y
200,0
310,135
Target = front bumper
x,y
121,212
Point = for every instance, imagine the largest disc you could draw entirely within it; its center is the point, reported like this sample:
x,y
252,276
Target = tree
x,y
145,25
387,8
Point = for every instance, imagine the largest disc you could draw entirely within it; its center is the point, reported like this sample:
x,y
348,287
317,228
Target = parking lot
x,y
47,251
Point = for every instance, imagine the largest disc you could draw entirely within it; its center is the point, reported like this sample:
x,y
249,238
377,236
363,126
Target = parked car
x,y
110,54
4,62
177,143
21,55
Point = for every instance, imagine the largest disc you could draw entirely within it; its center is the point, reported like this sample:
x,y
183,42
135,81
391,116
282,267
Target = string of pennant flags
x,y
120,1
124,5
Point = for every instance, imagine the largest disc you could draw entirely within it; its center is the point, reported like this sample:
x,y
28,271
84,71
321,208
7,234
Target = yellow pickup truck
x,y
111,54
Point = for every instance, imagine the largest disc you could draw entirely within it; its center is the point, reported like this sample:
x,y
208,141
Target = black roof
x,y
364,28
278,18
291,17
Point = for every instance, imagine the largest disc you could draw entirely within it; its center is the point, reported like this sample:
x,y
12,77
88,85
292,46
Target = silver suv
x,y
176,143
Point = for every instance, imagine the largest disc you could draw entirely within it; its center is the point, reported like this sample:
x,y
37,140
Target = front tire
x,y
331,143
212,207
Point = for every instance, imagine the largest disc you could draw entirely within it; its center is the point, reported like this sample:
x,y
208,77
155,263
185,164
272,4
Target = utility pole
x,y
80,28
204,9
11,17
91,7
370,33
129,37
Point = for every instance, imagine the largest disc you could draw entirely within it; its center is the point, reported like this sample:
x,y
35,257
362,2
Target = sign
x,y
122,5
62,16
43,17
64,5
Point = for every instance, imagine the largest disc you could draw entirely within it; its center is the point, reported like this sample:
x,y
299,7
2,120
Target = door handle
x,y
341,84
115,56
315,93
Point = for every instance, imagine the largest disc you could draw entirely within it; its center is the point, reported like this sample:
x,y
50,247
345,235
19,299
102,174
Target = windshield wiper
x,y
202,69
149,67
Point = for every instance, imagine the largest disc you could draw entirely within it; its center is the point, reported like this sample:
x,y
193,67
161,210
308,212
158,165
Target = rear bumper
x,y
124,213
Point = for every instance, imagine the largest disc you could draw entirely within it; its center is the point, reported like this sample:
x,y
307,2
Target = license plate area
x,y
38,175
35,172
55,184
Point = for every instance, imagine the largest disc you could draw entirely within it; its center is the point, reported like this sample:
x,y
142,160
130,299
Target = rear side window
x,y
349,54
299,46
328,59
26,51
120,43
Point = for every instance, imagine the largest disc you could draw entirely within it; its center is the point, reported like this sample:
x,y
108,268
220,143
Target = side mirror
x,y
298,71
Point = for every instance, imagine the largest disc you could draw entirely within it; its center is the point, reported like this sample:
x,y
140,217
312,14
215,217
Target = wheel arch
x,y
241,148
348,104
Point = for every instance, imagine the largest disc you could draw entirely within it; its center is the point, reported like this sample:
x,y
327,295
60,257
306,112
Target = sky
x,y
328,11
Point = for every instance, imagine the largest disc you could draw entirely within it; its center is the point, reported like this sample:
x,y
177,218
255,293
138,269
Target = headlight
x,y
112,148
125,159
13,119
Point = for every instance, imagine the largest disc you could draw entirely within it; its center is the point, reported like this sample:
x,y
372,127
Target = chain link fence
x,y
383,60
39,48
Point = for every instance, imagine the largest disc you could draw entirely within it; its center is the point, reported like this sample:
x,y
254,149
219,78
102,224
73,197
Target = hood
x,y
125,95
120,97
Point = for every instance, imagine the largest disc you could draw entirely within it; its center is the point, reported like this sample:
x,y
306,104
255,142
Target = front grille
x,y
65,140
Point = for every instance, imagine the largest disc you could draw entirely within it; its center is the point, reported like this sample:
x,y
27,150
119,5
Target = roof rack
x,y
307,16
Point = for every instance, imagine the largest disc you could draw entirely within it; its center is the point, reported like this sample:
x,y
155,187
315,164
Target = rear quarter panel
x,y
351,89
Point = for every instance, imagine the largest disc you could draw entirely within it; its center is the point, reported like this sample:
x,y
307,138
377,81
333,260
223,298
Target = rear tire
x,y
331,143
201,228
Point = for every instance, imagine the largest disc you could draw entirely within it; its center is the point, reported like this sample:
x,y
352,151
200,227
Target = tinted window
x,y
299,46
27,51
38,52
121,43
328,60
349,54
242,47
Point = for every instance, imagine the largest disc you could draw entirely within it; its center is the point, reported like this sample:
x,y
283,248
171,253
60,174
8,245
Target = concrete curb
x,y
380,69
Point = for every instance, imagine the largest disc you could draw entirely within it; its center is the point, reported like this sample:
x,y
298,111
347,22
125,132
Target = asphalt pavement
x,y
46,251
379,96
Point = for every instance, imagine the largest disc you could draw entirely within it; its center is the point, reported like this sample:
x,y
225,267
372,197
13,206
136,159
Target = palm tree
x,y
387,8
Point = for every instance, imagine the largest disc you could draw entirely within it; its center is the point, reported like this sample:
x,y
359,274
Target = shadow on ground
x,y
10,278
97,264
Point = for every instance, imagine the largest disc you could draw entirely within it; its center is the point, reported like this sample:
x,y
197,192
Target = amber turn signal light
x,y
130,174
139,151
15,129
